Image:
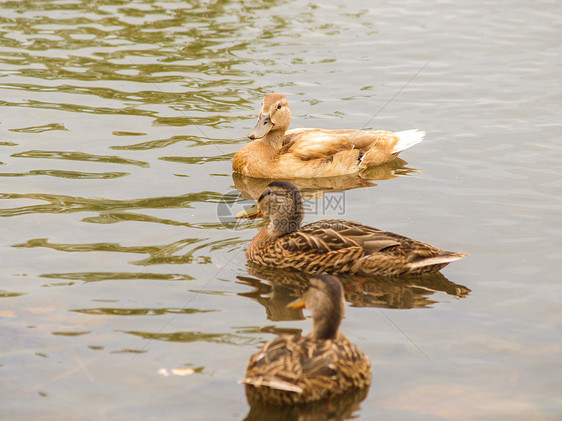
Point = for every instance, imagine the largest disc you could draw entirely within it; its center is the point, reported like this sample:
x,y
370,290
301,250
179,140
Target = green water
x,y
121,260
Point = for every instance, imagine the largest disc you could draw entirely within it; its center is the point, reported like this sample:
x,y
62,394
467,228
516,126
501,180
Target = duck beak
x,y
250,212
263,126
298,303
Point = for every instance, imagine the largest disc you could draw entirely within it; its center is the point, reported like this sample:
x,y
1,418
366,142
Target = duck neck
x,y
274,139
327,326
278,226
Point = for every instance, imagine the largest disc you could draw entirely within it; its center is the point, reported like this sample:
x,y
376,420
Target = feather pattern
x,y
337,246
277,152
297,369
294,369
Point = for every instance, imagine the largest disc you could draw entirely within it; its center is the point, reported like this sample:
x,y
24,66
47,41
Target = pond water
x,y
121,261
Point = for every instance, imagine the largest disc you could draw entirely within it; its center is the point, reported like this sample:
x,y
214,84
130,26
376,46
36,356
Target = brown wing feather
x,y
372,239
361,139
338,246
307,146
318,368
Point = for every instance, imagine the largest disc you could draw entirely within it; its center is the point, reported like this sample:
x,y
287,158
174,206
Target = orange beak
x,y
298,303
251,212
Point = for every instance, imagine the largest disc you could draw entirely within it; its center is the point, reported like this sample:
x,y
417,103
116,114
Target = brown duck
x,y
294,369
333,245
277,152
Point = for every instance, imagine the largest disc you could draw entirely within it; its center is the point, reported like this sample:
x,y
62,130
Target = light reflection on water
x,y
119,122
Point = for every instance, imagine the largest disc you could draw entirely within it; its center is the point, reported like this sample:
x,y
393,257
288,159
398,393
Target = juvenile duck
x,y
295,369
277,152
333,245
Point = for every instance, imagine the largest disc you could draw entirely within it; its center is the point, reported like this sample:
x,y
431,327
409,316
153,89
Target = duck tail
x,y
407,138
272,382
443,259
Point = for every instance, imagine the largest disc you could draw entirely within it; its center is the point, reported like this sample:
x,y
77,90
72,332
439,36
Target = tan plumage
x,y
297,369
334,245
277,152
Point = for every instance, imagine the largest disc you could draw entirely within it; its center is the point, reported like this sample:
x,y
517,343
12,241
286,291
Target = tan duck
x,y
333,245
295,369
277,152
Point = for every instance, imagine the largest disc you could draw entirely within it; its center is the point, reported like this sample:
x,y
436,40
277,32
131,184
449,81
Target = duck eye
x,y
265,194
278,106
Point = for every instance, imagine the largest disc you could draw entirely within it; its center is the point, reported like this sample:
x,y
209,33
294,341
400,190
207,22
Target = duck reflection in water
x,y
341,407
275,288
251,187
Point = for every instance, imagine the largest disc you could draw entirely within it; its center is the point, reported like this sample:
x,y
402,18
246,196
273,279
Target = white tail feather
x,y
407,138
437,260
273,383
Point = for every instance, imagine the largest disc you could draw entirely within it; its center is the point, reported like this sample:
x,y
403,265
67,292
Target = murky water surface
x,y
120,257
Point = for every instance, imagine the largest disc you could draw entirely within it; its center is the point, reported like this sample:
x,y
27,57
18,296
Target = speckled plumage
x,y
318,368
333,245
295,369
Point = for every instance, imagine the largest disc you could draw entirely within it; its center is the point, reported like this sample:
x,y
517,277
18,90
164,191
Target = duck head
x,y
281,205
275,117
325,300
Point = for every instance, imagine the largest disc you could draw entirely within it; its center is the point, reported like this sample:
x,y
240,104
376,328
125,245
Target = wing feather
x,y
316,145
